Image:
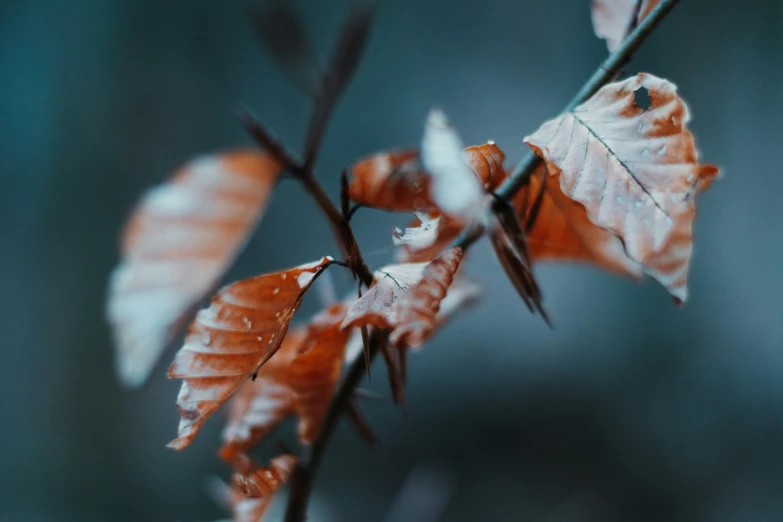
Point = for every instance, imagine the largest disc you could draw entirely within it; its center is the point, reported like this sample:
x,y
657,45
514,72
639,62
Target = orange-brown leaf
x,y
613,18
255,487
229,341
177,244
636,172
563,232
487,163
390,181
298,380
262,404
407,297
314,373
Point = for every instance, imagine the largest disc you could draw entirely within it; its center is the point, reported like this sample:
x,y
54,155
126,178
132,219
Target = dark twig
x,y
264,137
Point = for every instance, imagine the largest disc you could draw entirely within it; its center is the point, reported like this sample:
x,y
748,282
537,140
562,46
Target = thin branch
x,y
304,474
265,139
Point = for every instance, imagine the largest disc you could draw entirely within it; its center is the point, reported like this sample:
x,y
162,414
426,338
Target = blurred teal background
x,y
631,410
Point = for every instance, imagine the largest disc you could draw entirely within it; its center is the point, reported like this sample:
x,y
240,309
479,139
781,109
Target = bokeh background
x,y
631,410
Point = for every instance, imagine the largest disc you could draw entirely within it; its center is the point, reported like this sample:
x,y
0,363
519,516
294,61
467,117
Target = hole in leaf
x,y
642,99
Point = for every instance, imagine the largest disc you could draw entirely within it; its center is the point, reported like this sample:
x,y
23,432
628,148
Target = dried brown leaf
x,y
562,232
487,163
262,404
177,244
390,181
254,487
229,341
636,172
298,380
314,373
418,316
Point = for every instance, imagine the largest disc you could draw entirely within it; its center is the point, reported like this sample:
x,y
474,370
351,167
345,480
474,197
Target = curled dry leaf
x,y
177,244
563,232
403,294
487,163
262,404
613,18
229,341
454,187
636,172
395,180
298,380
390,181
254,487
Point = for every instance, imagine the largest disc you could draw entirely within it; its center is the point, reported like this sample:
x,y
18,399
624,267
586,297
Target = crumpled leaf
x,y
406,297
454,187
254,487
613,18
262,404
314,373
177,244
636,172
390,181
418,315
228,342
562,231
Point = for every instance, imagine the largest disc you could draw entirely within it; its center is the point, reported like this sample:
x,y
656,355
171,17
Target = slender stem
x,y
304,474
340,224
